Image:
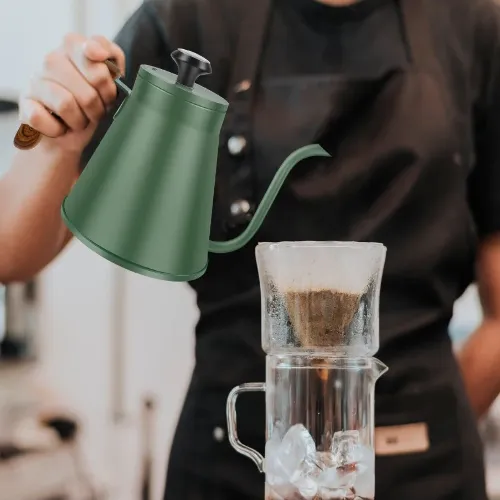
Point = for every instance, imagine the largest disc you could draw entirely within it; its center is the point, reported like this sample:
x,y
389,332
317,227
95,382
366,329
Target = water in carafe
x,y
320,330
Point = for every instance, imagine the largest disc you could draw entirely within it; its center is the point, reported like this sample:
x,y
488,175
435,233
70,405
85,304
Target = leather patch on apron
x,y
401,439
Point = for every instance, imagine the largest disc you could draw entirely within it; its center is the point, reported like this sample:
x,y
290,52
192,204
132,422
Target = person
x,y
407,96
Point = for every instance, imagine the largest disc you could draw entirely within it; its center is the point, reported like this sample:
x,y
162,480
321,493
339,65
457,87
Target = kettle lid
x,y
183,85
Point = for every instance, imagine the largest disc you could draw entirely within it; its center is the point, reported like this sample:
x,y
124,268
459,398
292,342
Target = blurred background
x,y
94,362
85,342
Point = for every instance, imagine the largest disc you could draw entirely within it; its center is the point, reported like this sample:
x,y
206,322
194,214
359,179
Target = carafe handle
x,y
252,454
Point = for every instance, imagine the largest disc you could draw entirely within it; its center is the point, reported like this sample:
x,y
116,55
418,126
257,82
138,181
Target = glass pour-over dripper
x,y
320,297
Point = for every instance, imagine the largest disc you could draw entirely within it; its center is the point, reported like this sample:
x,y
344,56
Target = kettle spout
x,y
268,199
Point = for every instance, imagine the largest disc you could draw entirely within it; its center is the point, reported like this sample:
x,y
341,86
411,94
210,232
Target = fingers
x,y
59,100
74,84
88,56
99,48
37,116
59,69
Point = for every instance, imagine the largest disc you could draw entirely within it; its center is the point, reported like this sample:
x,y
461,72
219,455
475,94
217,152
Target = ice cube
x,y
291,463
298,442
364,484
325,459
365,458
283,491
293,454
305,478
344,447
305,484
348,469
335,494
276,472
335,478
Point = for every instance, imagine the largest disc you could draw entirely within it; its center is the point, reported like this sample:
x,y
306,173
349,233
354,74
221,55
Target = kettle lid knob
x,y
190,66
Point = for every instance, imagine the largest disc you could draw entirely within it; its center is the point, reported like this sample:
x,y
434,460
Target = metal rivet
x,y
219,434
240,207
236,144
243,86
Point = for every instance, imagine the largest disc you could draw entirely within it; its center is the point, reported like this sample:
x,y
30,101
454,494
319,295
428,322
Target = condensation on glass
x,y
320,297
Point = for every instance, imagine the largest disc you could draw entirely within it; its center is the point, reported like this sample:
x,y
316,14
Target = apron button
x,y
457,159
236,145
219,434
239,208
243,86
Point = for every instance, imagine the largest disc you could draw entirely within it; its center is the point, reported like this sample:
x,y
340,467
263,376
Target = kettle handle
x,y
116,74
268,199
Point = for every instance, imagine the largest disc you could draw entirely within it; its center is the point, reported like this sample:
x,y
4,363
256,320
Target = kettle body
x,y
145,199
153,175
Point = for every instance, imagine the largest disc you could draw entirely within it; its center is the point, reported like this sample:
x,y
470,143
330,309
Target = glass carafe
x,y
319,436
320,329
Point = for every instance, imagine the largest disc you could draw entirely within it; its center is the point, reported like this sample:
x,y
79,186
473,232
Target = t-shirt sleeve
x,y
143,39
484,186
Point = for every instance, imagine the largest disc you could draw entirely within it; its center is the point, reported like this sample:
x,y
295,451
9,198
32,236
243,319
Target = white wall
x,y
26,33
30,28
79,360
82,295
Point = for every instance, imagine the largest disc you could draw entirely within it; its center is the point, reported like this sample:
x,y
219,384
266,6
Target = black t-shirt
x,y
425,179
310,38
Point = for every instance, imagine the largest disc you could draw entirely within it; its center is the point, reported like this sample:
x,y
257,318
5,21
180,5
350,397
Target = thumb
x,y
97,44
94,51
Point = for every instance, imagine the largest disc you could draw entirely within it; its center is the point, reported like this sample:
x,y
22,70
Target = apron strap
x,y
431,53
237,185
420,36
253,32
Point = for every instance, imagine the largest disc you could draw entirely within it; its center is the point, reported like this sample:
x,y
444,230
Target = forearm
x,y
31,193
480,364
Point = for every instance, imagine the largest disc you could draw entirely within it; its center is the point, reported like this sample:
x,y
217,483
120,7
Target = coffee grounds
x,y
320,317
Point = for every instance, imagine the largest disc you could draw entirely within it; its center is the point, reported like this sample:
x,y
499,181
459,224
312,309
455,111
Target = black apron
x,y
427,440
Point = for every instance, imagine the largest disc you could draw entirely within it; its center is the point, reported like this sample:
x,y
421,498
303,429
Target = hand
x,y
76,85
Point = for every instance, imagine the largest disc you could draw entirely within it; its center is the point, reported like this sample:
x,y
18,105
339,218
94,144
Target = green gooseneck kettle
x,y
144,201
